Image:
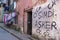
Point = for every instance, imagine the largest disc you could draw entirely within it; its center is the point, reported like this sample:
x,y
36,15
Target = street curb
x,y
11,33
16,34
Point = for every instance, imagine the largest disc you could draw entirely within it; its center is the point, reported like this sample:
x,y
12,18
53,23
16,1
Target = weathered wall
x,y
38,2
46,20
21,6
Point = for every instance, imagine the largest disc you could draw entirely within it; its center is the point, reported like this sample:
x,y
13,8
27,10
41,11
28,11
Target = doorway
x,y
29,23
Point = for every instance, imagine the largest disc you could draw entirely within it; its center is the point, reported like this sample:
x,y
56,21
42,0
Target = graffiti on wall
x,y
43,16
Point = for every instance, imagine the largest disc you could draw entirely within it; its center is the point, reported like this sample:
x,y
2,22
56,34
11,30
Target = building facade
x,y
45,20
24,8
29,21
21,6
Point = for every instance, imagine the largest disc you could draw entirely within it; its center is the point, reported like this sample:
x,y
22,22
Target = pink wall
x,y
21,5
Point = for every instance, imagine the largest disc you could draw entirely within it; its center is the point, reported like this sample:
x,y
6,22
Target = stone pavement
x,y
16,34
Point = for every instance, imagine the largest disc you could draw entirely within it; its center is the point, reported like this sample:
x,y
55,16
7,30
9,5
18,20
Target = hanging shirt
x,y
4,1
6,8
5,18
11,17
13,14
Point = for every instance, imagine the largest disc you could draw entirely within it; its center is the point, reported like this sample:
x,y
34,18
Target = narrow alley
x,y
4,35
29,19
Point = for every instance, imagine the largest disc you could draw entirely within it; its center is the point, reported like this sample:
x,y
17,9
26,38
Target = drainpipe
x,y
23,22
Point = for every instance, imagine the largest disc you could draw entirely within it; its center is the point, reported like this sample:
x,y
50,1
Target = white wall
x,y
49,23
